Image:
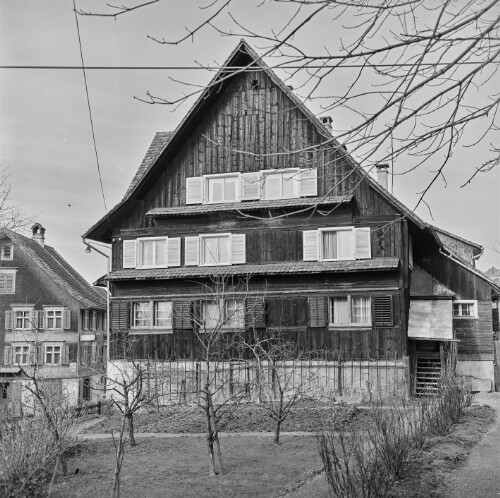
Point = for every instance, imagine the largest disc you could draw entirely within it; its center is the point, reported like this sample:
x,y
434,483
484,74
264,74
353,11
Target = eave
x,y
295,268
309,204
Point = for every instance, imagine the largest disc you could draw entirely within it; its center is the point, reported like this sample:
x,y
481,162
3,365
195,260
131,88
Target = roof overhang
x,y
288,268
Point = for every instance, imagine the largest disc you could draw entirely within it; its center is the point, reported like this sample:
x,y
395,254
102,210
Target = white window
x,y
222,314
162,314
339,243
151,252
465,309
22,354
23,318
53,354
152,314
7,252
350,311
222,188
336,244
280,184
8,281
215,250
54,318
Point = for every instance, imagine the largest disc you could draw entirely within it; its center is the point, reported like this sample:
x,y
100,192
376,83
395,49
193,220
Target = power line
x,y
88,105
218,68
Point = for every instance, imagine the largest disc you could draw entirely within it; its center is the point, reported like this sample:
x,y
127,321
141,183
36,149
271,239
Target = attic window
x,y
255,84
7,252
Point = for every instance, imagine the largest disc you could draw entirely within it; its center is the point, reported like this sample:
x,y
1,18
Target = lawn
x,y
178,467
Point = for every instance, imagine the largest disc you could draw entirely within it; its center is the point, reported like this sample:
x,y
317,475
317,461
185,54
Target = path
x,y
480,476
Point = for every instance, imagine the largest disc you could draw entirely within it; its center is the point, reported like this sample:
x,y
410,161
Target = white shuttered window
x,y
152,252
334,244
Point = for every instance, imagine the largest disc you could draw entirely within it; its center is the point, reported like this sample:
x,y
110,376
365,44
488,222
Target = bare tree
x,y
11,215
217,323
417,79
281,375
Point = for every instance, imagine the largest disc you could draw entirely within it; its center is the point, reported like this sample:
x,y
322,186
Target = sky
x,y
46,138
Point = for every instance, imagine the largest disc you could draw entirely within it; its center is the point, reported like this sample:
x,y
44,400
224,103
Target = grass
x,y
178,467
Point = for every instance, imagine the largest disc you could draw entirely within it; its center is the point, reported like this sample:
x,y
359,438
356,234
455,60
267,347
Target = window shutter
x,y
66,319
94,352
40,355
65,354
238,249
9,317
7,355
363,245
255,313
317,311
192,251
129,254
383,312
308,182
182,314
310,245
250,186
194,190
119,315
39,318
174,251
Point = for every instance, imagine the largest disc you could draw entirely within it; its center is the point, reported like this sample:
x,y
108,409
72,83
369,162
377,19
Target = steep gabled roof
x,y
153,158
58,270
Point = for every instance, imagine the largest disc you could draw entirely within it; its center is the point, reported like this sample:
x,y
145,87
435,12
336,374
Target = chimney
x,y
383,175
327,121
38,234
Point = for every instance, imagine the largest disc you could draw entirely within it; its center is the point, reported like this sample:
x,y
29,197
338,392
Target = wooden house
x,y
52,318
252,184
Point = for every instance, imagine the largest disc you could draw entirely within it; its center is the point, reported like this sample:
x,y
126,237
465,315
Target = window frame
x,y
222,176
53,309
151,315
53,353
202,237
10,256
222,304
351,324
30,318
4,273
322,231
22,353
295,178
139,252
460,303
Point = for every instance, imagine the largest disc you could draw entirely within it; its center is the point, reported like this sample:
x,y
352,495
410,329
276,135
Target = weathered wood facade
x,y
249,123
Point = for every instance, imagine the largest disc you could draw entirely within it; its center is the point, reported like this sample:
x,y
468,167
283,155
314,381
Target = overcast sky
x,y
45,134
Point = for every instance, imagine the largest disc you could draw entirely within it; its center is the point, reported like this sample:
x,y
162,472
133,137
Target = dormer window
x,y
7,252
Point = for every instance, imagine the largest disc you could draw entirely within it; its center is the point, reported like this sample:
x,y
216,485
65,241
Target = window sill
x,y
351,327
150,331
465,318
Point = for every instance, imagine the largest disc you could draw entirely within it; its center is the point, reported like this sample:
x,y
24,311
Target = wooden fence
x,y
182,382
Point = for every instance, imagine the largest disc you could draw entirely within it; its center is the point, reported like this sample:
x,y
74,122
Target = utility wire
x,y
90,110
218,68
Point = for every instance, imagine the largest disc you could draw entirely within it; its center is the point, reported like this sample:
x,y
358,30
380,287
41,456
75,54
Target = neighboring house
x,y
51,317
252,184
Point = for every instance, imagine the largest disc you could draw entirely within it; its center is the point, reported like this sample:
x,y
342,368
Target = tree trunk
x,y
210,434
215,433
277,429
131,434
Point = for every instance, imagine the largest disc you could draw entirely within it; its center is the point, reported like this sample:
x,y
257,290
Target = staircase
x,y
428,373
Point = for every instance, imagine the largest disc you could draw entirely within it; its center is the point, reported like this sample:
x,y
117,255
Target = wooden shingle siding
x,y
475,335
